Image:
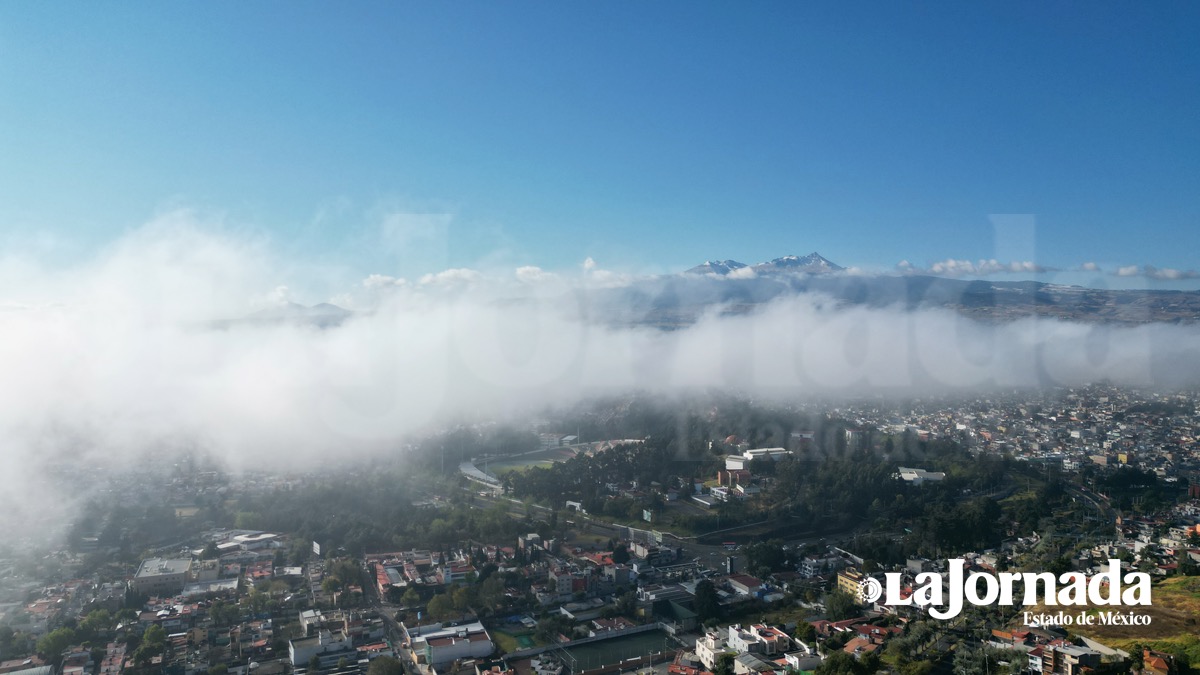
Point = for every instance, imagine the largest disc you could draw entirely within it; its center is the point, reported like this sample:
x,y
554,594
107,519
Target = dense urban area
x,y
713,535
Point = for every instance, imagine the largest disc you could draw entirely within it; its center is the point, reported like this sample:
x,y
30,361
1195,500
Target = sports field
x,y
501,465
615,650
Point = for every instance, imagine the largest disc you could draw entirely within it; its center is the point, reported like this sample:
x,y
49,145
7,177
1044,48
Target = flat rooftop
x,y
153,567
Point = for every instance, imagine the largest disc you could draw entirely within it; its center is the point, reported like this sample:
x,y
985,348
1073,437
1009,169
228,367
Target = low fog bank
x,y
174,338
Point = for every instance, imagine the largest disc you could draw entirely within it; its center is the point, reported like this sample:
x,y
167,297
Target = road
x,y
1106,511
387,612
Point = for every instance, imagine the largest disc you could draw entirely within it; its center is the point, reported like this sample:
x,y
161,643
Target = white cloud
x,y
459,276
530,274
1127,271
1089,267
1168,274
742,273
280,295
118,356
1025,267
596,277
383,281
965,268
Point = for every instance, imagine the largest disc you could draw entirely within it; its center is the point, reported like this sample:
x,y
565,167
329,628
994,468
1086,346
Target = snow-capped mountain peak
x,y
718,267
812,263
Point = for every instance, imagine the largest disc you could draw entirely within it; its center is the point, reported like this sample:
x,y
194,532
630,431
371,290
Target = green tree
x,y
1137,655
411,598
806,633
766,555
838,663
724,665
549,628
440,607
385,665
126,615
491,592
314,664
154,643
707,604
461,598
98,619
1187,567
248,520
840,605
349,573
52,644
7,638
349,600
620,554
987,660
210,551
94,624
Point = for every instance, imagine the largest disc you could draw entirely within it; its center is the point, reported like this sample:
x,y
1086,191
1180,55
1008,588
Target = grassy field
x,y
1174,626
1017,497
1186,646
597,541
1175,612
498,469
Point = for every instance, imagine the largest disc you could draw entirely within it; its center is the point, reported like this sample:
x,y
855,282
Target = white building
x,y
918,476
710,647
328,647
767,453
436,645
159,576
804,658
758,639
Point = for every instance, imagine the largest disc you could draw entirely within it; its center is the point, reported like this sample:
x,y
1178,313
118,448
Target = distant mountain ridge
x,y
322,315
678,300
294,311
813,263
718,267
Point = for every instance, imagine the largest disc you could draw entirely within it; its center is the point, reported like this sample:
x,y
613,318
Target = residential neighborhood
x,y
592,588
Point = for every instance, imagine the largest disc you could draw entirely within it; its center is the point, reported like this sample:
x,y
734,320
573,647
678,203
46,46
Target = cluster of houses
x,y
234,613
757,648
231,607
1097,425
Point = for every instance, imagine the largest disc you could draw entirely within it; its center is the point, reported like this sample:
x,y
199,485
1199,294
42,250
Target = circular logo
x,y
869,590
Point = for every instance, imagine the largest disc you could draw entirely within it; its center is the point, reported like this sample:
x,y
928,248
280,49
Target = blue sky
x,y
649,136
